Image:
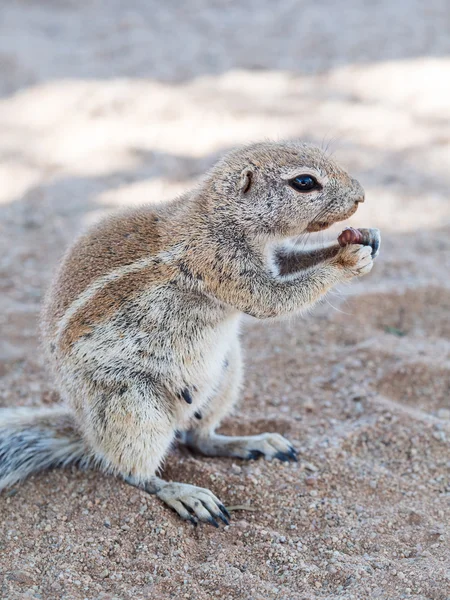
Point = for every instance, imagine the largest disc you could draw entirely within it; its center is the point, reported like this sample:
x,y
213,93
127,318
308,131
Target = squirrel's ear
x,y
245,180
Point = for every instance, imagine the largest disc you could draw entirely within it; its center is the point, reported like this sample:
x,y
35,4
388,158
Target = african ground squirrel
x,y
141,324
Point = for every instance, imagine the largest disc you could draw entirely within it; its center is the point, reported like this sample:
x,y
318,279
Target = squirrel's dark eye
x,y
304,183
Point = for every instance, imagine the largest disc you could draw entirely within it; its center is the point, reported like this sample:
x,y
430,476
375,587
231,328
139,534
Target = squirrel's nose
x,y
358,191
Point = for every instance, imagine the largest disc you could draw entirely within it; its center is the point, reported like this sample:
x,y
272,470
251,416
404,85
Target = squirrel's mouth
x,y
317,226
321,225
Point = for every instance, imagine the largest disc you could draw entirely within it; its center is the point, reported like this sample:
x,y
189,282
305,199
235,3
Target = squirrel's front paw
x,y
355,260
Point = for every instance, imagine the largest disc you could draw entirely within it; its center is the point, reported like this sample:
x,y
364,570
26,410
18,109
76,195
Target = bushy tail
x,y
33,439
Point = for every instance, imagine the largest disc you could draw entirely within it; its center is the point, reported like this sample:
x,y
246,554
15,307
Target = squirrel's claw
x,y
291,455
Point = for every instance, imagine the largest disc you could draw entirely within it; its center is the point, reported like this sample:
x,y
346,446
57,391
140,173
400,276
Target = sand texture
x,y
107,104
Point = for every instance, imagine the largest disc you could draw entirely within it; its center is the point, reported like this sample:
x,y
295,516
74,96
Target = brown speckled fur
x,y
108,300
141,324
117,240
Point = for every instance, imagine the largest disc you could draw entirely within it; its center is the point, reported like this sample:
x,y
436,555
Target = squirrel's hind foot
x,y
192,503
250,447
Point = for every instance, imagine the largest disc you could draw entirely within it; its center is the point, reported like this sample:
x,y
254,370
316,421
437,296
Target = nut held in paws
x,y
350,236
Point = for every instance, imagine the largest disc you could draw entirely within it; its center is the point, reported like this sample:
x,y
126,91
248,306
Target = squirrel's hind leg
x,y
202,437
131,429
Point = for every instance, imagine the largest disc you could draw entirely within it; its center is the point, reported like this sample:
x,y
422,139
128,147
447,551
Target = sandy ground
x,y
105,104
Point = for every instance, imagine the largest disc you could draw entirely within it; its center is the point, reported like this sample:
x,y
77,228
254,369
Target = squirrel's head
x,y
281,189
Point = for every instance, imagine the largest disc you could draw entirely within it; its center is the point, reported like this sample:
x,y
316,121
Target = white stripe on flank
x,y
166,256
